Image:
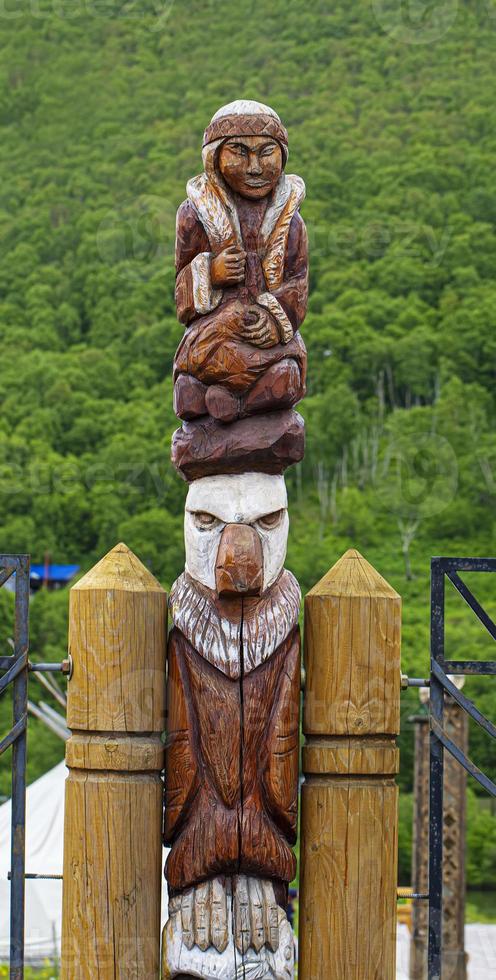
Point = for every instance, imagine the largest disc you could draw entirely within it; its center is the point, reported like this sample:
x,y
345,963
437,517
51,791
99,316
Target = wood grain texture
x,y
112,876
348,879
114,791
115,752
117,638
350,756
266,443
231,766
352,652
349,797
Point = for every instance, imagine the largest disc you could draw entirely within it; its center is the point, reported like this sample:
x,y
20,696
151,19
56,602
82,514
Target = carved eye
x,y
238,148
270,521
267,151
203,521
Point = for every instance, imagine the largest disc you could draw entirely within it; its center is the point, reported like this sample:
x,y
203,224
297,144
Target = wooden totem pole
x,y
234,650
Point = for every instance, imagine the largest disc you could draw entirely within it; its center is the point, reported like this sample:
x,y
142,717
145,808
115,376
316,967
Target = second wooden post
x,y
350,799
113,800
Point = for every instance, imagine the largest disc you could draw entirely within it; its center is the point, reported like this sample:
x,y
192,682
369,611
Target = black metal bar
x,y
13,735
418,682
7,570
439,740
464,761
47,668
436,777
481,668
467,564
463,701
16,673
13,671
474,604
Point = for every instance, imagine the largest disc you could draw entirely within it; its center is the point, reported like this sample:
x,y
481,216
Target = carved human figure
x,y
242,272
233,724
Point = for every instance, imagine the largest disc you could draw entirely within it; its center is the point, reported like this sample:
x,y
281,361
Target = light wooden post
x,y
350,799
113,803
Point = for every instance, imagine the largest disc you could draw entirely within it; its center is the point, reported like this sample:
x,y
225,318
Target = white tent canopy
x,y
44,855
44,846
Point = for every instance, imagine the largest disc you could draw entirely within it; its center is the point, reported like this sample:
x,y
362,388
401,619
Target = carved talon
x,y
230,917
220,932
256,915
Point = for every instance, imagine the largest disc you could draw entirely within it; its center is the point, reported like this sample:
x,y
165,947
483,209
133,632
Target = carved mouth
x,y
257,183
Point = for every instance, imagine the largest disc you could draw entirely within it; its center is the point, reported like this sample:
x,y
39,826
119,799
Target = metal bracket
x,y
407,682
64,667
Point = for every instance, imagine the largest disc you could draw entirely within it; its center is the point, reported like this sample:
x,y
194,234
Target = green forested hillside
x,y
102,109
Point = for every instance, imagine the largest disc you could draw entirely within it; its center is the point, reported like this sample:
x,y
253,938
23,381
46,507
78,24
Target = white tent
x,y
44,855
44,843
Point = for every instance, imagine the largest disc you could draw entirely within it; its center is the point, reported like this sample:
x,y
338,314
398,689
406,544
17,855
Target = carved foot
x,y
189,397
280,387
228,929
222,404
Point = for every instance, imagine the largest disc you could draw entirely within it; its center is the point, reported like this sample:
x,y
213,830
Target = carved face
x,y
251,165
236,532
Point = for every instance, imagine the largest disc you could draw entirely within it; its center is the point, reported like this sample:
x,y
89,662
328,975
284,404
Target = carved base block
x,y
228,929
263,443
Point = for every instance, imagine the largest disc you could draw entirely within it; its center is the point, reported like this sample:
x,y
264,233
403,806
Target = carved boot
x,y
280,387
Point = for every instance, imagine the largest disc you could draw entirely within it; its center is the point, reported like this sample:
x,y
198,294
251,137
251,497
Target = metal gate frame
x,y
16,667
441,569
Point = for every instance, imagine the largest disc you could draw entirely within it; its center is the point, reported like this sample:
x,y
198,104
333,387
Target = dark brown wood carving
x,y
231,800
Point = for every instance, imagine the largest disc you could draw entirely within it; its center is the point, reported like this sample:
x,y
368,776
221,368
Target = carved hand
x,y
259,329
228,267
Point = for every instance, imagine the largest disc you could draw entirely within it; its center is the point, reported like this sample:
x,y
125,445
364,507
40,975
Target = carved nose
x,y
254,166
239,566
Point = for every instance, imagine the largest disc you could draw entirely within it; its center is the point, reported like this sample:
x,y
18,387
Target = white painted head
x,y
257,500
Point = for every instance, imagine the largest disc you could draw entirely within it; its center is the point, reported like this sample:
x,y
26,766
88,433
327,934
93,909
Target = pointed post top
x,y
119,570
351,576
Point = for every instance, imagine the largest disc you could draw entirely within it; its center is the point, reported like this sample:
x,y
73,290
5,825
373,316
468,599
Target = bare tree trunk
x,y
408,530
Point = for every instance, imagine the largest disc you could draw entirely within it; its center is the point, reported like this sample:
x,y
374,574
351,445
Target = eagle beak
x,y
239,566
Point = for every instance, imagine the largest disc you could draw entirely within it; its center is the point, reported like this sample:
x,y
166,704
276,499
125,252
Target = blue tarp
x,y
55,573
